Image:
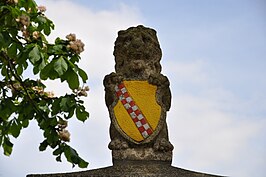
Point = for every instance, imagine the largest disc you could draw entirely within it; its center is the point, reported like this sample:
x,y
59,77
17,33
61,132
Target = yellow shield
x,y
136,112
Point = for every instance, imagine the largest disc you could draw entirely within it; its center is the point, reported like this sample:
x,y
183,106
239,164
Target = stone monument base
x,y
142,154
125,168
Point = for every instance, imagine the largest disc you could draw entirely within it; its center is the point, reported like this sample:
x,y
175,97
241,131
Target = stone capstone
x,y
133,169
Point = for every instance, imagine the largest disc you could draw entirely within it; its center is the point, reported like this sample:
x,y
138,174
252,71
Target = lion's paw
x,y
118,144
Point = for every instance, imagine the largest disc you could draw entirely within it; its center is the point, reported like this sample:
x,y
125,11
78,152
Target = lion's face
x,y
137,51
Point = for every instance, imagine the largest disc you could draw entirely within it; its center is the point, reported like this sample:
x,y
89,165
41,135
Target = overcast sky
x,y
214,56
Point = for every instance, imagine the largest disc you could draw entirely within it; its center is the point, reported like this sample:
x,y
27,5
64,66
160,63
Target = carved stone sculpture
x,y
138,97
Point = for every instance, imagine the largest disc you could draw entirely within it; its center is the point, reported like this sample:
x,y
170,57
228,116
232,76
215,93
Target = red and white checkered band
x,y
133,110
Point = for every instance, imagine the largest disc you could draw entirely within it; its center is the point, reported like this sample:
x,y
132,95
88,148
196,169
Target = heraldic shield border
x,y
136,113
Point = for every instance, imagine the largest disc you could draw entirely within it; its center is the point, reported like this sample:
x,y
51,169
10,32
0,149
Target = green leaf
x,y
42,65
15,129
49,72
81,114
34,55
57,49
1,138
58,151
20,69
39,66
25,123
52,137
83,75
47,29
7,146
2,40
73,157
53,122
12,50
7,108
44,124
68,153
70,112
72,79
29,5
83,164
60,66
22,57
58,158
42,19
56,107
35,70
5,39
75,58
4,70
65,104
45,72
43,145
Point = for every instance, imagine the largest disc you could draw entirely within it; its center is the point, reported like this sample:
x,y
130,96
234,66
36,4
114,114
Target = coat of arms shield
x,y
136,112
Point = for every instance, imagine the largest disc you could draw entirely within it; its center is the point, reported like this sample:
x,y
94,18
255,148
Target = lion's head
x,y
137,52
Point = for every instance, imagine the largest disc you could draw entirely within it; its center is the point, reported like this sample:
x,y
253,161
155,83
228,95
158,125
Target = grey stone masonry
x,y
133,169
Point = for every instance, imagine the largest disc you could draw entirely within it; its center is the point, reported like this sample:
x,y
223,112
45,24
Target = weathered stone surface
x,y
133,169
144,154
138,70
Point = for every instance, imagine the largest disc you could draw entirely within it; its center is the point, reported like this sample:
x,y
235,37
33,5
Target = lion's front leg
x,y
117,141
109,82
162,142
164,93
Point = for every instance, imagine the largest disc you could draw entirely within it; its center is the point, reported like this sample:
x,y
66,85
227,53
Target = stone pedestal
x,y
147,154
126,168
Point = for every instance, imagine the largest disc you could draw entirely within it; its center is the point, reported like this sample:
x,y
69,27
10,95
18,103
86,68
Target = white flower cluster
x,y
62,132
11,1
41,91
14,87
36,34
24,20
17,86
82,91
41,8
64,135
71,37
75,44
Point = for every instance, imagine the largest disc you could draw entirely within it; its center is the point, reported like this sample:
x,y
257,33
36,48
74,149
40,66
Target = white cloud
x,y
210,126
210,137
189,72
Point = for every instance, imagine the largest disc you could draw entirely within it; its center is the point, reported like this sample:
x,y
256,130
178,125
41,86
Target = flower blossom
x,y
71,37
82,91
36,34
41,8
50,94
24,20
75,44
12,1
64,135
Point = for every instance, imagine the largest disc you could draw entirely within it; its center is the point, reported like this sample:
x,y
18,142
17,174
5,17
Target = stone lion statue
x,y
137,58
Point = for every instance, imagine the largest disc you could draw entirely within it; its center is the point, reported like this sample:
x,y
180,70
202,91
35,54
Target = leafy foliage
x,y
23,32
